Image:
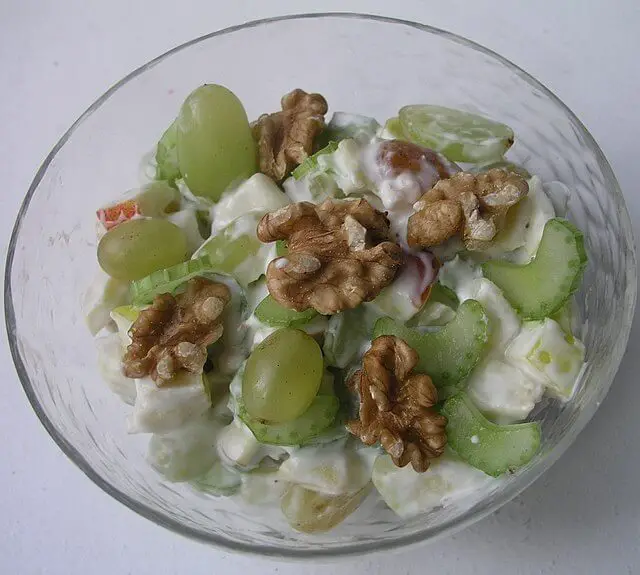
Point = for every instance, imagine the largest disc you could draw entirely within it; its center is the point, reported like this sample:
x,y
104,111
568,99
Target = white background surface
x,y
56,57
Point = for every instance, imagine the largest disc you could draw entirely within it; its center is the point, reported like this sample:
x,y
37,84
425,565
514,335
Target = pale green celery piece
x,y
167,155
448,355
271,313
218,481
458,135
311,163
393,129
168,280
320,416
444,295
348,333
564,317
540,288
494,449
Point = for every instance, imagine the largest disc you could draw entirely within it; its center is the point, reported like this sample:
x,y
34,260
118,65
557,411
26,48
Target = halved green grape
x,y
449,354
166,281
214,141
136,248
282,376
218,481
237,251
311,512
271,313
503,165
540,288
167,155
157,199
311,163
494,449
320,415
393,129
460,136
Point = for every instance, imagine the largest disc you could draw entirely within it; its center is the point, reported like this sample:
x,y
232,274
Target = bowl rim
x,y
351,549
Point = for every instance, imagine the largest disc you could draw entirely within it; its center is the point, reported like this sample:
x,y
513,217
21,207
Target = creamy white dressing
x,y
399,192
259,193
110,353
187,221
103,294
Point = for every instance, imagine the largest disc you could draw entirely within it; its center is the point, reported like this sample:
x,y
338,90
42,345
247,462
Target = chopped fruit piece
x,y
549,355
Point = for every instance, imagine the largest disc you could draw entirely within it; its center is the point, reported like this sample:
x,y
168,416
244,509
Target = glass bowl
x,y
364,64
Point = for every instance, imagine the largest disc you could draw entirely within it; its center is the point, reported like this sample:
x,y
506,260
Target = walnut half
x,y
285,139
174,332
474,204
339,255
396,405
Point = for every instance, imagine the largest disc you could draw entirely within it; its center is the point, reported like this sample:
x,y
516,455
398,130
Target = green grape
x,y
136,248
214,141
393,128
282,376
271,313
460,136
157,199
311,512
167,155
